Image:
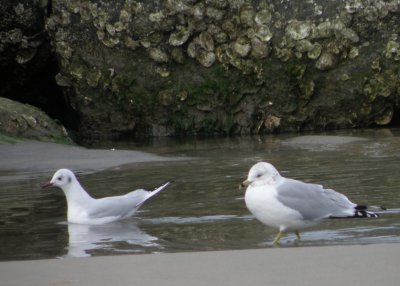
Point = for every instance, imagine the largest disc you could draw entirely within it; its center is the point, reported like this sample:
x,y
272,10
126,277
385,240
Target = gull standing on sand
x,y
84,209
291,205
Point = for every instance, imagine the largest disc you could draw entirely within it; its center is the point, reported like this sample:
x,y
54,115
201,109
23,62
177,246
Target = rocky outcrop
x,y
226,66
23,120
28,64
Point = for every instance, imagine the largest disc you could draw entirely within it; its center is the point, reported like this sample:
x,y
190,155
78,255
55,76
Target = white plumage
x,y
291,205
84,209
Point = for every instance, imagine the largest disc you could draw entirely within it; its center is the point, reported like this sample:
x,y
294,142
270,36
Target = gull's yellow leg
x,y
277,238
297,234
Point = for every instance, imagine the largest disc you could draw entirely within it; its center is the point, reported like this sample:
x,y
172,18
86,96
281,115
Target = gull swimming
x,y
291,205
83,209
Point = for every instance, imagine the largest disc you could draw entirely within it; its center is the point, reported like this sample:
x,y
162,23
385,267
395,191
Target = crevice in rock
x,y
38,88
28,65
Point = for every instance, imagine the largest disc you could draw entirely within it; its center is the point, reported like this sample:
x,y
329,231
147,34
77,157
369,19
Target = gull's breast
x,y
263,204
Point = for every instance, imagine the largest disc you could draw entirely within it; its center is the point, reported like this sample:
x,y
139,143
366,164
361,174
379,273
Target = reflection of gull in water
x,y
84,238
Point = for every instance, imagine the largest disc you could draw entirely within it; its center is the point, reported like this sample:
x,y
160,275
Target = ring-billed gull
x,y
84,209
291,205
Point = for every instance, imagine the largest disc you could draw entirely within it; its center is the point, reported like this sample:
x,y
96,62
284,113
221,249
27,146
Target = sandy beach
x,y
331,265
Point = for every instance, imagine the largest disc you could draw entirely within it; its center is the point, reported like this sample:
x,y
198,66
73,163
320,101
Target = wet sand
x,y
331,265
28,156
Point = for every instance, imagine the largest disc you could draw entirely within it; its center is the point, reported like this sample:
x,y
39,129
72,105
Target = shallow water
x,y
204,209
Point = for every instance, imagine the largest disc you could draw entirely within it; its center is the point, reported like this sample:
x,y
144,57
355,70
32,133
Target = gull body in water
x,y
84,209
291,205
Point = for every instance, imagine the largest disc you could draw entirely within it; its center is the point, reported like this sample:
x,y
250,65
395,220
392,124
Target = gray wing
x,y
122,206
312,201
117,206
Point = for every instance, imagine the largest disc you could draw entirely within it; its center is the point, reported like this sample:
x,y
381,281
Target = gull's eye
x,y
258,175
59,178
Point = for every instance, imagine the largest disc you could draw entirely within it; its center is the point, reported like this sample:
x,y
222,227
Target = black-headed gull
x,y
84,209
290,205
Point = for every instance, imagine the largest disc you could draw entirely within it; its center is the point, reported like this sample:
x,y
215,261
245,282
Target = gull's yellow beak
x,y
244,184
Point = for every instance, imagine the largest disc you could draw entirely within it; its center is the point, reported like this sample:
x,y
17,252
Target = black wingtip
x,y
362,213
358,213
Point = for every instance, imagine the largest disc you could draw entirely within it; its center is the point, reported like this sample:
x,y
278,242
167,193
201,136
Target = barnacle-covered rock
x,y
386,116
298,30
206,58
326,61
158,55
307,88
214,13
182,95
382,84
272,122
376,65
198,11
125,17
25,55
304,46
110,41
193,48
323,30
177,6
371,13
247,15
206,41
315,51
334,47
263,17
145,43
241,46
392,50
165,97
221,4
131,43
283,53
110,29
221,37
178,38
163,71
195,65
178,56
157,17
259,49
263,33
218,35
101,19
93,77
353,53
349,34
23,120
353,6
222,53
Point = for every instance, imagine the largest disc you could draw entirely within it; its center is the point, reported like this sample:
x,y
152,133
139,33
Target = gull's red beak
x,y
47,185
